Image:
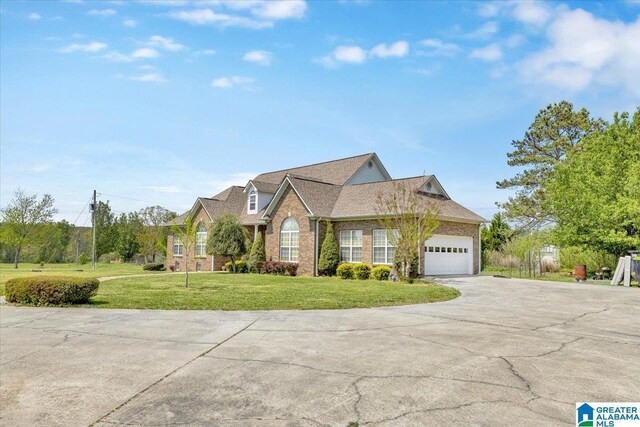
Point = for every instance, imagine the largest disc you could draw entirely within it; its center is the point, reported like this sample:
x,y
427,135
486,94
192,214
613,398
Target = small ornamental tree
x,y
228,237
409,219
187,235
329,253
257,256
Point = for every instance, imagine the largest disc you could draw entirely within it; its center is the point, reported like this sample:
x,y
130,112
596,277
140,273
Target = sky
x,y
159,102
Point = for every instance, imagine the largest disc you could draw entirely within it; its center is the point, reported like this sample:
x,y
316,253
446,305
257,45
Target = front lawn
x,y
102,270
225,291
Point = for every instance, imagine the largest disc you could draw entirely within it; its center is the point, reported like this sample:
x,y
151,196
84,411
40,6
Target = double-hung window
x,y
253,201
201,240
351,245
177,245
382,249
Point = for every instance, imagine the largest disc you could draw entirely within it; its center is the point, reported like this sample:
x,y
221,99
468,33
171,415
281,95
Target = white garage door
x,y
448,255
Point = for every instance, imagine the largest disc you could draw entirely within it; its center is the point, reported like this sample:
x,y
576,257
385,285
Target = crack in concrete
x,y
382,328
141,392
120,336
573,319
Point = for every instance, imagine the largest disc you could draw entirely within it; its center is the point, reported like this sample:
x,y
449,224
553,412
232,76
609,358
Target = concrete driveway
x,y
508,352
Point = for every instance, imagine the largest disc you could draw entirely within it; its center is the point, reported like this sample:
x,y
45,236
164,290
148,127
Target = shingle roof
x,y
266,187
320,197
321,187
360,200
333,172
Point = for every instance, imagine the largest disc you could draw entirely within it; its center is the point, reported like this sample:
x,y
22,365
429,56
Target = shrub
x,y
381,272
153,266
291,268
280,268
50,290
108,257
83,258
345,270
257,256
241,266
362,271
329,253
172,268
412,272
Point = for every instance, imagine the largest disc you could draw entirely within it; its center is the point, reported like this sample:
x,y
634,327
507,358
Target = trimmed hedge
x,y
50,290
241,267
381,272
280,268
153,266
345,270
362,271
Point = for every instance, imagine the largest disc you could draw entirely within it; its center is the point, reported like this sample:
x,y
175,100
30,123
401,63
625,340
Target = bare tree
x,y
187,235
410,218
152,236
21,218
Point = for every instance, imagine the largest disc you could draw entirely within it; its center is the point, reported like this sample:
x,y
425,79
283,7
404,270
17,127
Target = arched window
x,y
253,201
201,240
289,240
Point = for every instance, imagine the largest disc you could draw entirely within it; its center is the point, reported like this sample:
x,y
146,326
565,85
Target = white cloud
x,y
350,54
487,30
488,9
228,82
129,23
583,50
353,54
115,56
253,14
397,49
165,43
102,12
87,47
208,16
490,53
150,77
281,9
437,47
34,16
515,40
261,57
146,53
531,12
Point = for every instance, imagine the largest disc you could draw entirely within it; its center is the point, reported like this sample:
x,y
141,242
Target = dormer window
x,y
253,201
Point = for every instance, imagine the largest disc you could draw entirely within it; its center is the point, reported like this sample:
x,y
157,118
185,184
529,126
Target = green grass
x,y
24,270
225,291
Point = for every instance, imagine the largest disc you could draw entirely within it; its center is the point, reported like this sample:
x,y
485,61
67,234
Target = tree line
x,y
29,233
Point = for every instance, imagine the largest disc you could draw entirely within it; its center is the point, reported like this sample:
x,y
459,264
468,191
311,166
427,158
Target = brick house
x,y
290,208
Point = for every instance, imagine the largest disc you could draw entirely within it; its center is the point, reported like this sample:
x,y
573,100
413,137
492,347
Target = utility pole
x,y
94,206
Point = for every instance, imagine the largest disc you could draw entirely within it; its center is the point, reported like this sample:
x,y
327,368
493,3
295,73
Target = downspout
x,y
315,254
479,248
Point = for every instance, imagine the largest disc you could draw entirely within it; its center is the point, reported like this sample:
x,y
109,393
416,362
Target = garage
x,y
446,255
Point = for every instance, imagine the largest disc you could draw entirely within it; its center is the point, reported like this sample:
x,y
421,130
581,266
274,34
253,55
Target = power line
x,y
85,207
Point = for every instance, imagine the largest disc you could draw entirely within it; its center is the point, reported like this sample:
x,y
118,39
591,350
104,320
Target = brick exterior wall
x,y
205,261
367,227
290,205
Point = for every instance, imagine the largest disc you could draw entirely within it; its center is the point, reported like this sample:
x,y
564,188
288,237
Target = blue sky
x,y
161,102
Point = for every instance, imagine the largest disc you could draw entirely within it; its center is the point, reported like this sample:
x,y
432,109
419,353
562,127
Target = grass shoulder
x,y
225,291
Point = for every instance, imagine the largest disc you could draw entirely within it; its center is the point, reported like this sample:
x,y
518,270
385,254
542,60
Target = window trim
x,y
202,244
252,194
177,241
290,233
386,247
350,246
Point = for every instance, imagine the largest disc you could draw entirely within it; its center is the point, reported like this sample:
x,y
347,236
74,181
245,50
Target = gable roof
x,y
360,200
335,172
262,186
